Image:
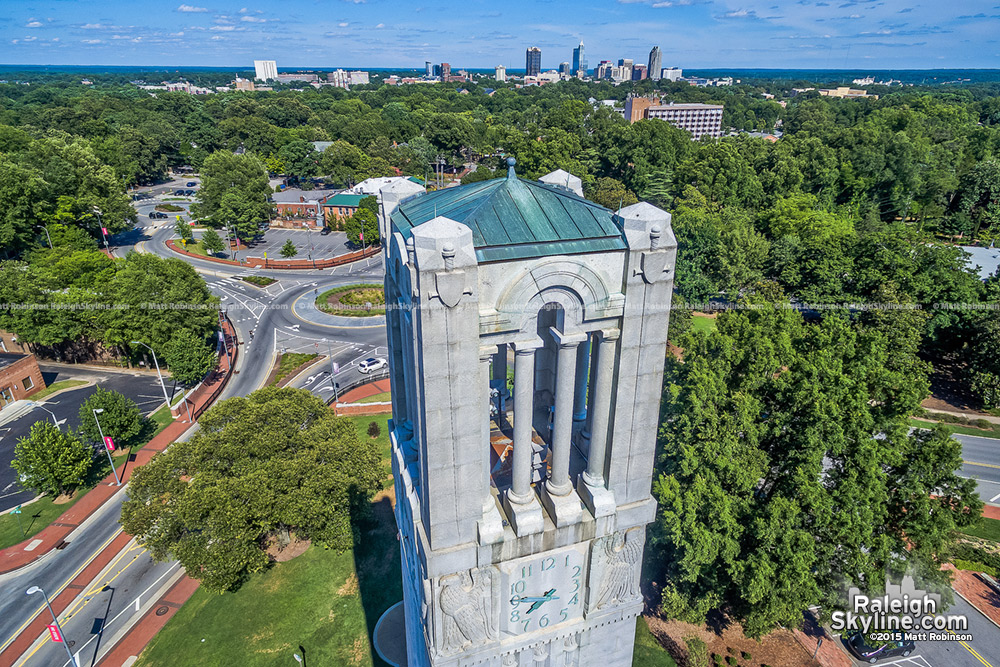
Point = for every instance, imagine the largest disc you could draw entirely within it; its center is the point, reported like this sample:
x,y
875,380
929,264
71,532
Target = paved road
x,y
983,650
277,327
982,463
142,388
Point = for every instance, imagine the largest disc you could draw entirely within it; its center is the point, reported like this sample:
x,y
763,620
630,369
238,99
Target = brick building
x,y
20,377
299,208
340,207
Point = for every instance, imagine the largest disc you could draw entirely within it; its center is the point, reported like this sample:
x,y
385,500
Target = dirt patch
x,y
64,498
777,649
359,651
950,389
382,512
295,547
350,586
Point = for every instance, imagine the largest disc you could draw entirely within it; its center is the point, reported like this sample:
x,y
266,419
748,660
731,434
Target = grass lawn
x,y
353,300
987,529
56,386
702,322
362,422
34,518
648,652
384,397
288,362
259,281
953,428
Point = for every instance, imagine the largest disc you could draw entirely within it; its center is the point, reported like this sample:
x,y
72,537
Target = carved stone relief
x,y
466,601
616,561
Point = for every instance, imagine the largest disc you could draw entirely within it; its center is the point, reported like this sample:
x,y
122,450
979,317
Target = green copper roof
x,y
343,199
512,218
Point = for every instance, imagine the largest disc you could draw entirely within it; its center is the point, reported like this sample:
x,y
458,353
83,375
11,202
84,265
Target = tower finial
x,y
510,167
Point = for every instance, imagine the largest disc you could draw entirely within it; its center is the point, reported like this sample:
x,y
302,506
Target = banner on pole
x,y
54,633
109,443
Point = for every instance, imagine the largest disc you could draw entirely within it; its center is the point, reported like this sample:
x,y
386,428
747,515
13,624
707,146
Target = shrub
x,y
732,661
975,567
374,430
50,461
697,652
746,655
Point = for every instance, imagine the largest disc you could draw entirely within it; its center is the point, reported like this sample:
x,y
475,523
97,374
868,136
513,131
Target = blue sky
x,y
829,34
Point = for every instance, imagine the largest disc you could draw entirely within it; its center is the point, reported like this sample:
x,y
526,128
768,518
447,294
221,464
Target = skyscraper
x,y
428,68
655,63
564,68
265,70
579,61
533,61
445,71
501,73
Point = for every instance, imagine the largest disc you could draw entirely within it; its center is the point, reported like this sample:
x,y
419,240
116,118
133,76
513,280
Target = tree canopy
x,y
264,467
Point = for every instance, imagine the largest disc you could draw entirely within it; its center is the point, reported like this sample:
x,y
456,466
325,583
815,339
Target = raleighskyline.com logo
x,y
903,609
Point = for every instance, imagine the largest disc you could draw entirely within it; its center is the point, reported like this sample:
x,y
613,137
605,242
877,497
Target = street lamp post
x,y
36,404
333,371
36,589
101,224
158,373
98,411
46,230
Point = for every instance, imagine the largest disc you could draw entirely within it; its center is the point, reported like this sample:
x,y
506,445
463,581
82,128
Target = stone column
x,y
522,507
524,381
491,525
558,483
591,486
580,392
500,363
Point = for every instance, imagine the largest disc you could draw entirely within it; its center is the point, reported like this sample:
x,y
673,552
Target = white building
x,y
672,73
501,73
343,79
265,70
698,119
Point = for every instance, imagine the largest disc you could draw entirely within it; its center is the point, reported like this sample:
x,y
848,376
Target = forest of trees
x,y
770,423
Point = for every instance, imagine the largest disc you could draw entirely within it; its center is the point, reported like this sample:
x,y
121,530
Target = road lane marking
x,y
985,465
994,498
60,589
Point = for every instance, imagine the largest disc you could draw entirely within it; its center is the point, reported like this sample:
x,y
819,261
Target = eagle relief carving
x,y
622,555
467,603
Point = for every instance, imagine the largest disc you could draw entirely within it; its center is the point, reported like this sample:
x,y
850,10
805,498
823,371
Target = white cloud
x,y
343,24
93,26
30,39
92,41
253,19
189,8
380,25
216,36
225,28
34,24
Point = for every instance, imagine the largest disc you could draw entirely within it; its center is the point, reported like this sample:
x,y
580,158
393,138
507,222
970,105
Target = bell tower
x,y
527,333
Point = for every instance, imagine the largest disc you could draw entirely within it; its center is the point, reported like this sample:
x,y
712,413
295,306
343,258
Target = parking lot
x,y
308,243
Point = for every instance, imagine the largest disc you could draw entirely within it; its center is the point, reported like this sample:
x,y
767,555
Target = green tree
x,y
288,250
369,203
234,189
788,474
363,221
121,419
262,468
189,357
183,230
20,208
49,461
611,193
480,173
212,242
300,159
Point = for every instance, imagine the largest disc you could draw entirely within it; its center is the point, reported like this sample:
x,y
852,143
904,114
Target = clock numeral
x,y
515,616
576,569
548,564
517,588
562,613
576,586
543,621
526,571
526,624
575,599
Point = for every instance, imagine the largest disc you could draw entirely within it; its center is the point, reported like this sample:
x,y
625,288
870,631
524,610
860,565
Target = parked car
x,y
159,215
189,193
865,652
179,193
192,184
326,230
372,364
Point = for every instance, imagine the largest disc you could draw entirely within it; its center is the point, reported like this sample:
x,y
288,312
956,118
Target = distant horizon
x,y
773,34
420,68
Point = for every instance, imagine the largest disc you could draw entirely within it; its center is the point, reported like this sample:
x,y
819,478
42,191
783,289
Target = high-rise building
x,y
501,73
265,70
564,68
698,119
533,61
638,72
445,71
603,70
437,70
655,63
579,61
428,68
672,73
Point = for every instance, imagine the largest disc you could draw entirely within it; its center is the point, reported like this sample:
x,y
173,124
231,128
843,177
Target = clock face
x,y
542,591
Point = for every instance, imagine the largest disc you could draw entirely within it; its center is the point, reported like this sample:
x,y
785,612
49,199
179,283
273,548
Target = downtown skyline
x,y
386,33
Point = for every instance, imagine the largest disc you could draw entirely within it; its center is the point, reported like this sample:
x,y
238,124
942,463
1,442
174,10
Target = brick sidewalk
x,y
366,390
976,592
19,555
